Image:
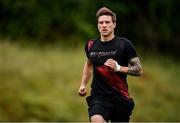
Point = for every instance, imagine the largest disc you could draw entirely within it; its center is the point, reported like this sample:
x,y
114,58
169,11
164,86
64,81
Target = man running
x,y
110,59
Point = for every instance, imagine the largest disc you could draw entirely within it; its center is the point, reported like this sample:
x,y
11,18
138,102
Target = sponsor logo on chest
x,y
103,53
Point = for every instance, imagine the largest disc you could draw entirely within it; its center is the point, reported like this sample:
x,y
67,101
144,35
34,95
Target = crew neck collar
x,y
108,40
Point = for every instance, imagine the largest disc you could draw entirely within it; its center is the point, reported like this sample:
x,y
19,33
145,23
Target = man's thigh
x,y
97,107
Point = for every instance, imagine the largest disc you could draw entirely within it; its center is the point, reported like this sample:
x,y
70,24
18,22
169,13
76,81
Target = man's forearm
x,y
134,69
87,72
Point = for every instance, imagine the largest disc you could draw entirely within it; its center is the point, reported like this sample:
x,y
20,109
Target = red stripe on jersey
x,y
114,80
90,43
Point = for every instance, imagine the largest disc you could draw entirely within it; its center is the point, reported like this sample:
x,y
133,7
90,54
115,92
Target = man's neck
x,y
108,38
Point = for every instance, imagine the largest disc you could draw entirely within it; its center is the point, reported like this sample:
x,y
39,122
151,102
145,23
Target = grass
x,y
157,91
42,84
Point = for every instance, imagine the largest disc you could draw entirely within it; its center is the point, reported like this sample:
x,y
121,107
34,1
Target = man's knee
x,y
97,118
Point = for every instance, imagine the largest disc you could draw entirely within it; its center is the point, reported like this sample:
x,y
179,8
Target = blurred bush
x,y
150,24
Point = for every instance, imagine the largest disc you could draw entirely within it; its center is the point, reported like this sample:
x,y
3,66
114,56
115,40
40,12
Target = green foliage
x,y
42,84
152,24
41,20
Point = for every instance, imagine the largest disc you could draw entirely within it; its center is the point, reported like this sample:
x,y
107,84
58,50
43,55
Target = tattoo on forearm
x,y
135,67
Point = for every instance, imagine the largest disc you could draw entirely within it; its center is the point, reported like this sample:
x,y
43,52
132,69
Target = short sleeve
x,y
88,46
130,50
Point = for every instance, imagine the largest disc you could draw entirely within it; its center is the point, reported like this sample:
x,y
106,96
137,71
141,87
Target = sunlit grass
x,y
157,93
41,84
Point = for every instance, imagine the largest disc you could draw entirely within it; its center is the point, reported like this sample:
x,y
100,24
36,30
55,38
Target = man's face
x,y
106,25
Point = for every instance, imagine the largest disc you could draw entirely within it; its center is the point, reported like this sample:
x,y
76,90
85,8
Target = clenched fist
x,y
82,91
112,64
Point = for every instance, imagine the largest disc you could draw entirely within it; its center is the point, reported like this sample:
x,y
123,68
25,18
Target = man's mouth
x,y
104,30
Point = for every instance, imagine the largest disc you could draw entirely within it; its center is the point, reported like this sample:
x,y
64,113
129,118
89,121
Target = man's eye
x,y
100,22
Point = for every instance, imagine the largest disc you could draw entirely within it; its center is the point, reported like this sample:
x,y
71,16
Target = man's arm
x,y
135,68
86,75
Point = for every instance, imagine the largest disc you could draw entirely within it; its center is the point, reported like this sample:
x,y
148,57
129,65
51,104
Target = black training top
x,y
105,80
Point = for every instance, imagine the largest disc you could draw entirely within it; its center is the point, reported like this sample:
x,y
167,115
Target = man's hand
x,y
82,90
113,64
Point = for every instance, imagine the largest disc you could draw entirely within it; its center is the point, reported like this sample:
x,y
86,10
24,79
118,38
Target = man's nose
x,y
104,25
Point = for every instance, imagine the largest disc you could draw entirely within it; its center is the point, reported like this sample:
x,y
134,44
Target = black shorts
x,y
110,108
